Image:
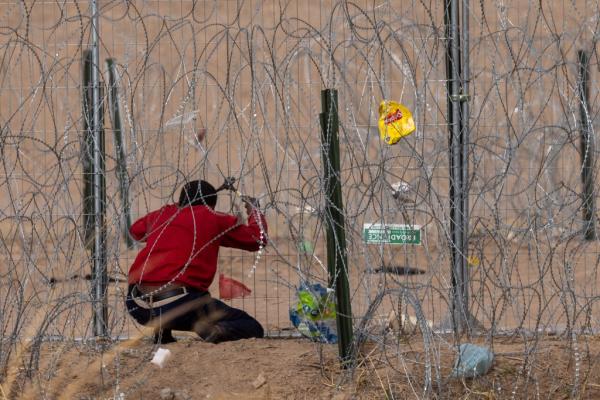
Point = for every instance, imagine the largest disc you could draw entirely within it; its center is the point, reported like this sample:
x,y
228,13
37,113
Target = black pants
x,y
213,320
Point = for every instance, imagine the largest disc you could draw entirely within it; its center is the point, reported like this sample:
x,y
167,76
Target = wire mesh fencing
x,y
250,74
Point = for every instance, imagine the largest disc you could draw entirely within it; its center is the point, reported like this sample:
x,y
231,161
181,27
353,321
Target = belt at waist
x,y
154,294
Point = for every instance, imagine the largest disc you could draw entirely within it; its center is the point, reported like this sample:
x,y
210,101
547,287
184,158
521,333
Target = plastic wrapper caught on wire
x,y
313,314
395,121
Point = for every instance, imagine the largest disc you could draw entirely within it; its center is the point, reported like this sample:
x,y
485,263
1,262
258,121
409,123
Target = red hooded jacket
x,y
182,244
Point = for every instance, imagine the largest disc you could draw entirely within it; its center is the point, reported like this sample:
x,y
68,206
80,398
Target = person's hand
x,y
250,203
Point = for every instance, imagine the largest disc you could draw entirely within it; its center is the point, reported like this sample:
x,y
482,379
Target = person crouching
x,y
169,278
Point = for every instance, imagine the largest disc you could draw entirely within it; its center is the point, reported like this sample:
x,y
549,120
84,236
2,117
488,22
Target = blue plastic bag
x,y
314,313
472,361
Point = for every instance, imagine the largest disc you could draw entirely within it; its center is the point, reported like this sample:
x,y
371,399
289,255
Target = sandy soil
x,y
298,369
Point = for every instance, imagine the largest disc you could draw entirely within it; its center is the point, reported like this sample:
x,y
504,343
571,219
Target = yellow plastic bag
x,y
395,121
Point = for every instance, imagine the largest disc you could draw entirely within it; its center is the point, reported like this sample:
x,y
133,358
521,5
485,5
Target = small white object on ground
x,y
405,322
259,381
161,356
167,394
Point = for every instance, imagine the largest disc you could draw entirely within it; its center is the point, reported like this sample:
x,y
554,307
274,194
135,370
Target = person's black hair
x,y
198,193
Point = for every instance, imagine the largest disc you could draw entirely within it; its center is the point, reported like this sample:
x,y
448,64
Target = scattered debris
x,y
401,191
259,381
313,313
170,394
306,209
161,356
395,121
398,270
472,361
182,395
305,247
182,119
167,394
406,323
473,261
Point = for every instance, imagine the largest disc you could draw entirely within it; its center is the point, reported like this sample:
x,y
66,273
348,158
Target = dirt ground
x,y
551,368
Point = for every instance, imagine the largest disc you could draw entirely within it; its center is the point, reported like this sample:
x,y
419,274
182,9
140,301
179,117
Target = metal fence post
x,y
122,176
100,275
457,71
337,263
587,147
87,150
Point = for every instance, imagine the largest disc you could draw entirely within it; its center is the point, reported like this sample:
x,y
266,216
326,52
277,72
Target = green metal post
x,y
337,263
86,151
121,169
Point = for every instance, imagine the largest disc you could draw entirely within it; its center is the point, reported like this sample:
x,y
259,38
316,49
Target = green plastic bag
x,y
314,313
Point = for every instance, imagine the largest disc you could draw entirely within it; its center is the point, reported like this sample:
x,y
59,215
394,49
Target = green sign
x,y
391,234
